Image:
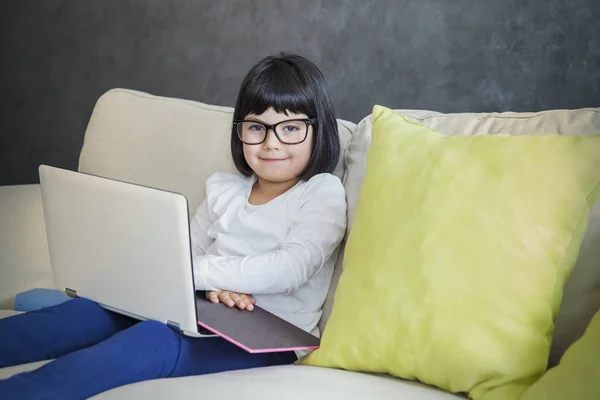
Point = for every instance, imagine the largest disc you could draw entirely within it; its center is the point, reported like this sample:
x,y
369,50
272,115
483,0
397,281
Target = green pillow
x,y
456,262
578,374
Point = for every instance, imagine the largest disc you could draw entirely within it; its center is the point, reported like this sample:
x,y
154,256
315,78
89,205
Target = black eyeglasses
x,y
291,131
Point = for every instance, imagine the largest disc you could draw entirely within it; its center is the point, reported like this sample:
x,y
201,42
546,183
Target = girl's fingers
x,y
231,299
239,300
245,303
225,298
213,297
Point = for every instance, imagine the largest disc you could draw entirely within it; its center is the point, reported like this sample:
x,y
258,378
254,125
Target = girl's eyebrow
x,y
265,123
255,120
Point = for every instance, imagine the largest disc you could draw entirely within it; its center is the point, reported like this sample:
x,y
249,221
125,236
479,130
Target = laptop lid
x,y
124,246
256,331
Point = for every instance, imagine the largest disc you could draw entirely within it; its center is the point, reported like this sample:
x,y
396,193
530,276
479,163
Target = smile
x,y
273,160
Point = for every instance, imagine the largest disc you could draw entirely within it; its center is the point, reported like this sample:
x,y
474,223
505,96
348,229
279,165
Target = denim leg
x,y
147,350
144,351
55,331
199,356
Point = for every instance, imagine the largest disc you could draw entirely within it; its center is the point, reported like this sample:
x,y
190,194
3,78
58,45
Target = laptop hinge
x,y
71,293
174,325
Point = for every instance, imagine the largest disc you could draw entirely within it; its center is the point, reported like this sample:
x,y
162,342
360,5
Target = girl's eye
x,y
290,128
256,127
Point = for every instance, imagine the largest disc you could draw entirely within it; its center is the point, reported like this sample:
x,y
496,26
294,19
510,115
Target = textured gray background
x,y
57,57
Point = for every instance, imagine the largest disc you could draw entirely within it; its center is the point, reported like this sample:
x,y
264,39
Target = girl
x,y
266,236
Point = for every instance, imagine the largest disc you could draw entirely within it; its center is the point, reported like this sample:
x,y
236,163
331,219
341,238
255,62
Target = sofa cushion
x,y
35,299
578,374
290,382
458,256
24,257
582,294
162,142
17,369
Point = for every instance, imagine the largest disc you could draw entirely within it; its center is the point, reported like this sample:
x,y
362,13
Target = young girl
x,y
266,236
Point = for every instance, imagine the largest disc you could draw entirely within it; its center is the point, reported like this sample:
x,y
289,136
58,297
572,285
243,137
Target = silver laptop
x,y
127,247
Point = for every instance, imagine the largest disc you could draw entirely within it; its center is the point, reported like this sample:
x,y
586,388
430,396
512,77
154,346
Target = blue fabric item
x,y
35,299
100,350
52,332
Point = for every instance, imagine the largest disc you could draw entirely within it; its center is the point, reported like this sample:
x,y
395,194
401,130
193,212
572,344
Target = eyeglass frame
x,y
307,121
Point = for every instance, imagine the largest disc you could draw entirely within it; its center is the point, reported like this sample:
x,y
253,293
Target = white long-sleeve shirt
x,y
281,252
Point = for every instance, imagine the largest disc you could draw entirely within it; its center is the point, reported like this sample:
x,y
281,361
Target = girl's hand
x,y
230,299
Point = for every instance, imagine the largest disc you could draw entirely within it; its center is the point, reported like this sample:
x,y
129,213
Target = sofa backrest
x,y
582,292
168,143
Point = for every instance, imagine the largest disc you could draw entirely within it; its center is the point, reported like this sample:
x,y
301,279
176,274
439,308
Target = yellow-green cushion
x,y
578,374
457,258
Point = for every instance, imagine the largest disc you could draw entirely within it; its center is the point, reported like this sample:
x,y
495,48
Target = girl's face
x,y
272,160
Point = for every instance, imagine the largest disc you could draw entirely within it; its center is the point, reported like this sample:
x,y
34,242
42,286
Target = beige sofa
x,y
176,144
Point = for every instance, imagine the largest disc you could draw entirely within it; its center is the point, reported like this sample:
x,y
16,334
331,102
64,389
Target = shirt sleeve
x,y
315,232
200,240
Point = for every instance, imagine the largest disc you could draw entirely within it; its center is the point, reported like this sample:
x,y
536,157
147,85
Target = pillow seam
x,y
582,217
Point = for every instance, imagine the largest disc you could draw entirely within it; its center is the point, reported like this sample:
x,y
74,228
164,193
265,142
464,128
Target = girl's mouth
x,y
273,160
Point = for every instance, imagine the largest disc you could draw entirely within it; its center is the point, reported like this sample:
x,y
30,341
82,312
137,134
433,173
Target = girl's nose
x,y
271,142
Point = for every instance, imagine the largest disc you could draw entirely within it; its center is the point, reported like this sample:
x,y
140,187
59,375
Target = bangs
x,y
279,86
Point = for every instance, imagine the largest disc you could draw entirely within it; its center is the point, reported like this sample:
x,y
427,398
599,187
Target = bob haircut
x,y
289,83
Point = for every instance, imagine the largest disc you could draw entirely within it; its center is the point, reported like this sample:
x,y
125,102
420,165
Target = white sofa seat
x,y
17,369
288,382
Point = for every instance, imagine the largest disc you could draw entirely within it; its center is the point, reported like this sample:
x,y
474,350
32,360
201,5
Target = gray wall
x,y
57,57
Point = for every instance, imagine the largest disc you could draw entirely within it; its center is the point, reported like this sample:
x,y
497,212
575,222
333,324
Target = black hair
x,y
289,83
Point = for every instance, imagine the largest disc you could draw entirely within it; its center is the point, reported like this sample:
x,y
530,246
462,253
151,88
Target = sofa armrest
x,y
24,258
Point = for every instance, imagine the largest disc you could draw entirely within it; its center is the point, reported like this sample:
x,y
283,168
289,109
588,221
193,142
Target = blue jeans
x,y
97,350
